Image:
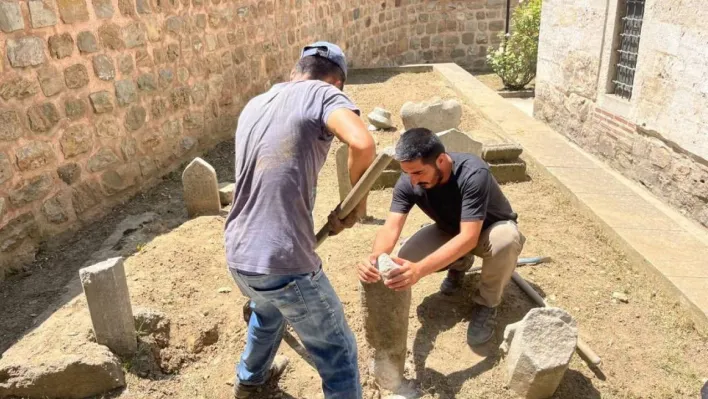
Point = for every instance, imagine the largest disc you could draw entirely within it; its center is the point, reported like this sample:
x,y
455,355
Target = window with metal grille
x,y
628,48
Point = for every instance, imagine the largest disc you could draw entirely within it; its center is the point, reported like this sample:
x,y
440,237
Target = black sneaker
x,y
280,363
452,283
482,325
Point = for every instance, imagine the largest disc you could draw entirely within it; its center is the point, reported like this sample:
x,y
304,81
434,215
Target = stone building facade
x,y
99,98
654,130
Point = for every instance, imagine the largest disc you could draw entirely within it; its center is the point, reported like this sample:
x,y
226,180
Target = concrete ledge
x,y
649,232
418,68
517,93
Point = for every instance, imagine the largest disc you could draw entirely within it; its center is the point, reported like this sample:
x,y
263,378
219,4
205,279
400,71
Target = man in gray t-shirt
x,y
282,140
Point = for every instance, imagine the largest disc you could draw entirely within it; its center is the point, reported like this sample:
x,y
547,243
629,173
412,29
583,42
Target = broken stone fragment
x,y
380,118
386,265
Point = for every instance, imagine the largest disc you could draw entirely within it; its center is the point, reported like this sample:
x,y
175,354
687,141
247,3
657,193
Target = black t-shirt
x,y
470,194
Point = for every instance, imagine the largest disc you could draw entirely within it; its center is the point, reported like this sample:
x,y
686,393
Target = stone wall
x,y
99,98
659,137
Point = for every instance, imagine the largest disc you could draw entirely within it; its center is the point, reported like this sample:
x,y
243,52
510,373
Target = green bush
x,y
515,59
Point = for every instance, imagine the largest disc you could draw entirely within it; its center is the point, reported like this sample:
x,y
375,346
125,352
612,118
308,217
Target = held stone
x,y
201,189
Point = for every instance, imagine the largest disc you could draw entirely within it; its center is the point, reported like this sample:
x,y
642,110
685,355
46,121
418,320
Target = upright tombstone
x,y
456,141
542,344
386,326
436,115
106,291
201,189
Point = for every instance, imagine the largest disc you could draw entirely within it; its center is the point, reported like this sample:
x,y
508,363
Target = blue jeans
x,y
310,305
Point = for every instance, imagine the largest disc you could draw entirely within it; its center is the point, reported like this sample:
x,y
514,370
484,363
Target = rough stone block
x,y
25,51
175,25
147,82
194,121
541,347
85,196
61,46
126,7
69,173
54,211
436,115
106,291
201,189
457,141
11,16
153,323
34,155
72,11
125,64
143,7
158,107
76,140
115,181
76,76
134,35
187,143
148,167
502,152
103,8
103,67
172,129
2,206
226,193
142,59
10,126
101,102
50,80
166,78
18,87
128,148
32,189
87,42
180,97
42,13
42,117
75,108
102,160
111,37
126,92
5,168
108,127
509,172
135,118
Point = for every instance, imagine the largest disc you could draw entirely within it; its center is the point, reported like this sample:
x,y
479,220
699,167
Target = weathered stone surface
x,y
208,335
76,76
125,64
26,51
385,265
436,115
72,11
143,6
166,78
128,148
135,118
69,173
5,168
12,236
173,52
456,141
34,155
380,118
111,37
103,67
194,120
50,80
148,167
85,196
31,190
142,59
154,31
147,82
103,8
541,347
126,7
134,35
103,159
153,323
101,101
54,211
115,181
126,92
11,16
3,202
175,25
199,93
187,143
509,171
76,140
502,152
42,13
42,117
87,42
10,126
108,127
158,107
18,87
226,193
106,291
180,97
172,129
201,189
75,108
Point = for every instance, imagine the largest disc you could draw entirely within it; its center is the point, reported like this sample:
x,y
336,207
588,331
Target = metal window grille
x,y
628,48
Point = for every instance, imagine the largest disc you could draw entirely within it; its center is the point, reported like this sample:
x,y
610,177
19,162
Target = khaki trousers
x,y
499,247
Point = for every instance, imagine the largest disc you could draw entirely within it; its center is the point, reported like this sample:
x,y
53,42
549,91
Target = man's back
x,y
281,145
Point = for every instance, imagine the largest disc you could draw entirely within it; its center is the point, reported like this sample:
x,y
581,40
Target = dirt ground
x,y
649,346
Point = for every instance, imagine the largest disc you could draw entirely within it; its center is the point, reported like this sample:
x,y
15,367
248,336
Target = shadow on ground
x,y
29,297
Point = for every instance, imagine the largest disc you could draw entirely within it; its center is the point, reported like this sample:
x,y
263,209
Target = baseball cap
x,y
326,50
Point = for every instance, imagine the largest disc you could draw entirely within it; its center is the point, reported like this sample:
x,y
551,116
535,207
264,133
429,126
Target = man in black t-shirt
x,y
472,217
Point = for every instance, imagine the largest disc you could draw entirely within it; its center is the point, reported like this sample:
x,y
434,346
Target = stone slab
x,y
226,193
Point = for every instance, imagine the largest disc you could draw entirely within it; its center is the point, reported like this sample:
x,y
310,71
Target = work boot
x,y
482,325
452,283
280,363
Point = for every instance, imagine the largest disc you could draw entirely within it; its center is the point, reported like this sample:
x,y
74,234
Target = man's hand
x,y
368,273
404,276
337,225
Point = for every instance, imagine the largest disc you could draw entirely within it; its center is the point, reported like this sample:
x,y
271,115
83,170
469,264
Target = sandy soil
x,y
649,347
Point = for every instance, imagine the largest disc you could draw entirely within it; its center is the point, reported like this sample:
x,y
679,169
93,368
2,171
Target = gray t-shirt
x,y
472,193
281,144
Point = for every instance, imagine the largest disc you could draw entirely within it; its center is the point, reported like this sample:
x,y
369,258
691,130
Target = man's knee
x,y
506,238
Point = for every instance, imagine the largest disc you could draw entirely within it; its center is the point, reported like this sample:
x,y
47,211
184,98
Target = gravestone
x,y
106,291
456,141
436,115
201,189
542,344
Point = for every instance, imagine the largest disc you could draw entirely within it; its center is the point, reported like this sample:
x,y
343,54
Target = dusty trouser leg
x,y
499,247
